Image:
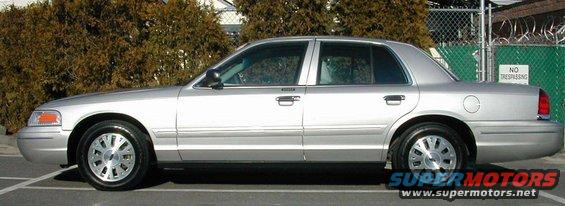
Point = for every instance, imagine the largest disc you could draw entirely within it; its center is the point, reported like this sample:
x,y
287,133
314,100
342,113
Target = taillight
x,y
543,105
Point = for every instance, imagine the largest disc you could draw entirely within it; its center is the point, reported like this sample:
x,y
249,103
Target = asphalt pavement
x,y
25,183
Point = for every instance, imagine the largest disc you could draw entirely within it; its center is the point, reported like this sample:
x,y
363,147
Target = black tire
x,y
139,141
401,148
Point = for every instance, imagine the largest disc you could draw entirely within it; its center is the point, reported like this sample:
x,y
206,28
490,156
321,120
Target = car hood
x,y
115,96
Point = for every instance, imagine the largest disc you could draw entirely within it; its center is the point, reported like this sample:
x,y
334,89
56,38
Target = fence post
x,y
490,57
482,53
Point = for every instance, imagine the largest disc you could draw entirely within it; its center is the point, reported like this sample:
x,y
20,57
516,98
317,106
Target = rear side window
x,y
344,64
386,68
358,64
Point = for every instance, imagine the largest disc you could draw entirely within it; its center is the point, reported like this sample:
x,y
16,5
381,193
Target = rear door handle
x,y
394,99
287,100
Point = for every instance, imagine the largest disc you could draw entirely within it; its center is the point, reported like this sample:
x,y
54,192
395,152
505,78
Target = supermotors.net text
x,y
470,194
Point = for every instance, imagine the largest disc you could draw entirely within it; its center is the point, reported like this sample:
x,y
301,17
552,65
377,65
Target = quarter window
x,y
356,64
272,65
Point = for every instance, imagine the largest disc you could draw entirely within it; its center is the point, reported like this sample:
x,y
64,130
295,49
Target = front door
x,y
256,116
359,90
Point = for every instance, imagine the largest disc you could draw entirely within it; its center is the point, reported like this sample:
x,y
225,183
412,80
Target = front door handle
x,y
394,99
287,100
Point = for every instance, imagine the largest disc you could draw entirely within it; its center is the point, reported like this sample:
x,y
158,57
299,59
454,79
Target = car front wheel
x,y
113,155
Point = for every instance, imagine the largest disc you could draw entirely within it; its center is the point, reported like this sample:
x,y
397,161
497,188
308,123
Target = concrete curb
x,y
8,140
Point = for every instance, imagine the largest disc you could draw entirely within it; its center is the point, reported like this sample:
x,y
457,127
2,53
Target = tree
x,y
25,55
400,20
58,48
185,38
91,40
265,19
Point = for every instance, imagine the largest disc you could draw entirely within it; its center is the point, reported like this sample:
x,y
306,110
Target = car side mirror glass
x,y
213,79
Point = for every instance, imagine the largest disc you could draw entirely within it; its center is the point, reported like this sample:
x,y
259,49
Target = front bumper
x,y
502,141
44,144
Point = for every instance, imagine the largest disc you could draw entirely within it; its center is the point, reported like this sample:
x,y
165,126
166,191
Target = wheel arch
x,y
458,125
81,127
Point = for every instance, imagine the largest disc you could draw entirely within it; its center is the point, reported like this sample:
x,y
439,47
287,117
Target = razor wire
x,y
526,30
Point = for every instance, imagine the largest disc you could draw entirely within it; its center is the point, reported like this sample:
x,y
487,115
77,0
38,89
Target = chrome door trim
x,y
165,132
313,72
253,87
231,131
306,63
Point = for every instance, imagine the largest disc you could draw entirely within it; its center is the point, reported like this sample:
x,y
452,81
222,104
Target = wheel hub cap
x,y
111,157
432,153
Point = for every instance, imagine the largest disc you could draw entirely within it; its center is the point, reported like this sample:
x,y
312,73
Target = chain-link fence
x,y
537,43
230,20
455,34
546,64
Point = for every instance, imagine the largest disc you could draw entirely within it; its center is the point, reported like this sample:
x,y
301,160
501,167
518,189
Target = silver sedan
x,y
297,100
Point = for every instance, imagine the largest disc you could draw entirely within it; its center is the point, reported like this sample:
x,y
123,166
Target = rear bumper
x,y
43,144
502,141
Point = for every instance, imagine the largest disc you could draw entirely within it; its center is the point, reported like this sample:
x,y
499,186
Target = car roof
x,y
292,38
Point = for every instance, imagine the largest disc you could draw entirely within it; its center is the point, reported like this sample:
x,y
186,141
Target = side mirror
x,y
213,79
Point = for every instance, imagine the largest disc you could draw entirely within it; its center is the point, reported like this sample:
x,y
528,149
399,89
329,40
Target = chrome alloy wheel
x,y
432,153
111,157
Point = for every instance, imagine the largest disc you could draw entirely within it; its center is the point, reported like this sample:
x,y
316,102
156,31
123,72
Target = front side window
x,y
357,64
265,65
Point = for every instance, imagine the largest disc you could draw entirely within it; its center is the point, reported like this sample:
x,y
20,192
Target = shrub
x,y
265,19
400,20
25,55
62,48
182,42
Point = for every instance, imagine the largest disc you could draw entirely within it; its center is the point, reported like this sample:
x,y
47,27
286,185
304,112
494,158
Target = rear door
x,y
355,92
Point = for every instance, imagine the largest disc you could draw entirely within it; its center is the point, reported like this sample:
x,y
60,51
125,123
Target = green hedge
x,y
62,48
265,19
399,20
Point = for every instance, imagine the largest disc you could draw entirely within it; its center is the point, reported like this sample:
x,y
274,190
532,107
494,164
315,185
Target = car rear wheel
x,y
113,155
430,147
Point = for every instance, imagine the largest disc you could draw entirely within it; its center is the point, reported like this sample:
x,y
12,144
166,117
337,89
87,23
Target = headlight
x,y
44,118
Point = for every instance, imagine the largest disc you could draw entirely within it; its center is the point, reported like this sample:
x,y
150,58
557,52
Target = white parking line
x,y
59,188
218,190
553,197
265,191
34,180
11,156
15,178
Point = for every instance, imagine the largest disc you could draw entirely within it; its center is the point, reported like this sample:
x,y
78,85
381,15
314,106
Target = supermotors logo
x,y
517,184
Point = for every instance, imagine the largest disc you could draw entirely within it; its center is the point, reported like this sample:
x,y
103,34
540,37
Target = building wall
x,y
528,8
19,3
